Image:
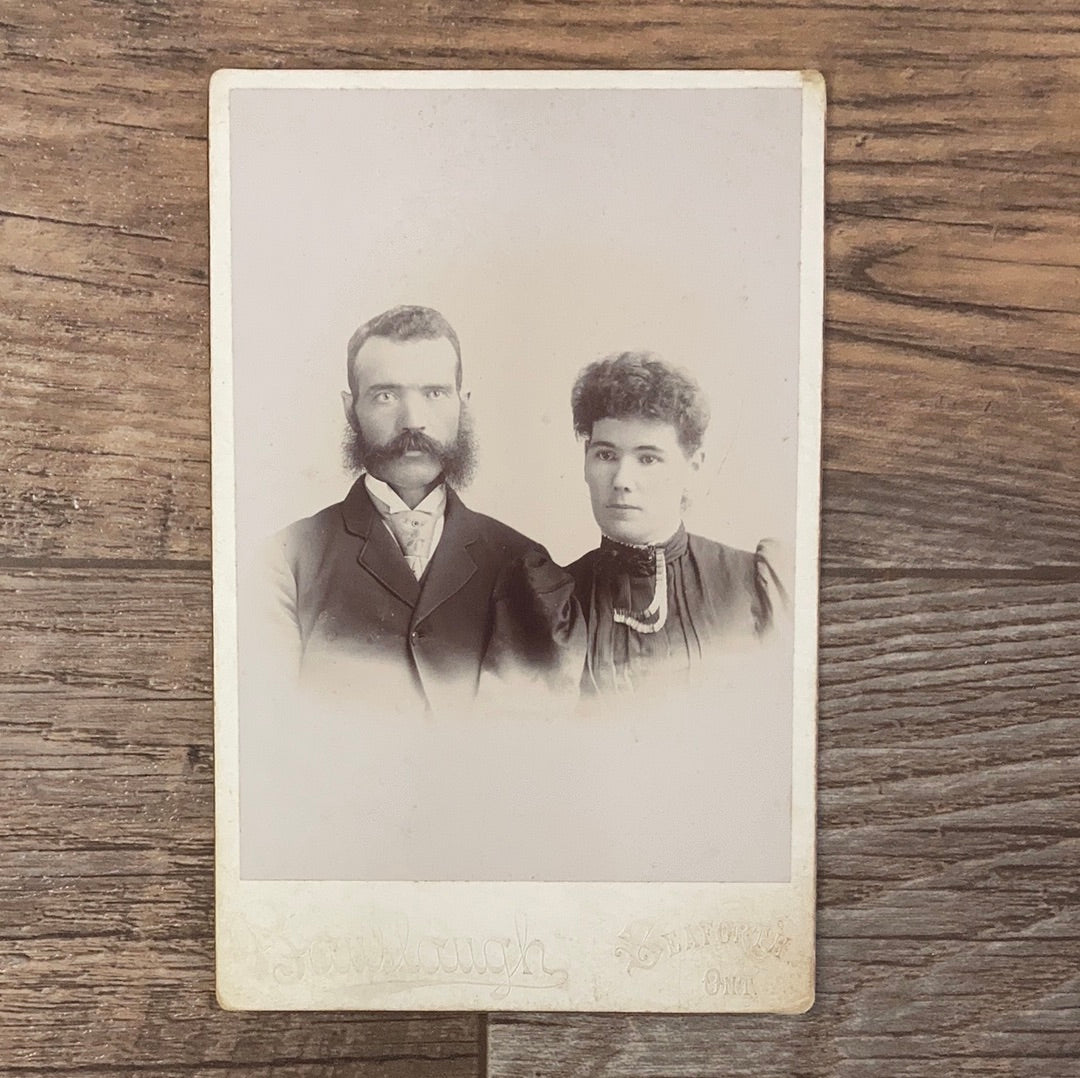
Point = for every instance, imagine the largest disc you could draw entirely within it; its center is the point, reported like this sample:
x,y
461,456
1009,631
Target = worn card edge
x,y
230,895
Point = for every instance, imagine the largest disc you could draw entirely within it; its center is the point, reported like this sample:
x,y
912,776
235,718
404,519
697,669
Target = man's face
x,y
405,390
637,475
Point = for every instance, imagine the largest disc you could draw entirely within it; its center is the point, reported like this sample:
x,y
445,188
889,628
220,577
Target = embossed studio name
x,y
643,944
399,957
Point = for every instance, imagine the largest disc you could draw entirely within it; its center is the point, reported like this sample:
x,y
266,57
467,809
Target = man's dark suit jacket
x,y
355,604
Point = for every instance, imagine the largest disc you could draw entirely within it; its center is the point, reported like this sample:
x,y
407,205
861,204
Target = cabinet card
x,y
516,451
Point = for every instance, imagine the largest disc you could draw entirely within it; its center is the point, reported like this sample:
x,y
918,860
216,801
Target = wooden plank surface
x,y
952,267
949,857
949,841
106,870
950,937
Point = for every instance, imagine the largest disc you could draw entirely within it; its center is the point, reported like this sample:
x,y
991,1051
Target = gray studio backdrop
x,y
551,227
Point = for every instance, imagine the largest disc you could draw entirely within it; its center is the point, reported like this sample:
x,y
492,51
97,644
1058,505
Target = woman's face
x,y
638,476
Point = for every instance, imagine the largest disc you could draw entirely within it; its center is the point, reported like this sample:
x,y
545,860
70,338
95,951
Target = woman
x,y
656,600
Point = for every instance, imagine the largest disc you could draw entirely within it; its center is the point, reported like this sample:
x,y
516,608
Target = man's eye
x,y
437,394
605,454
384,396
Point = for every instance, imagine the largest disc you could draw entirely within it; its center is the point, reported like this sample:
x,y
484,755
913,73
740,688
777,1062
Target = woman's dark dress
x,y
717,597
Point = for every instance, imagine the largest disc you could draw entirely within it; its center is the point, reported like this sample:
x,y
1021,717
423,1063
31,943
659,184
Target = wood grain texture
x,y
949,857
952,263
950,937
106,871
949,848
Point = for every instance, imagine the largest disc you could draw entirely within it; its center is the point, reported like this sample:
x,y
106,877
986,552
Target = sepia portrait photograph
x,y
516,453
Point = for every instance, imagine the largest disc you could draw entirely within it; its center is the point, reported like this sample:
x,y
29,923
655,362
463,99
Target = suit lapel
x,y
379,552
451,566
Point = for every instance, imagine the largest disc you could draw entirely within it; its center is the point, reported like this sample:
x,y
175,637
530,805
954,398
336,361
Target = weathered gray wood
x,y
949,856
949,852
952,308
106,870
949,814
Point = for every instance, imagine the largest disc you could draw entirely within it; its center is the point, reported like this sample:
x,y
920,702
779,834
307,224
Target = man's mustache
x,y
408,441
456,458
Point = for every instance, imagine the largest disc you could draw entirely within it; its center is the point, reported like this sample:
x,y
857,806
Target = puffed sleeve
x,y
538,634
771,598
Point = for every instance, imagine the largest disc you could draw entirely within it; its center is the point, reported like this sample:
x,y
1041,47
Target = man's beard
x,y
457,459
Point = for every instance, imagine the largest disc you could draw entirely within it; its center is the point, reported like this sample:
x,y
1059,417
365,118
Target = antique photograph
x,y
516,453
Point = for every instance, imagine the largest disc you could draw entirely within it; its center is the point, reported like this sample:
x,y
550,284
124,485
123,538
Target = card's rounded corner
x,y
220,83
802,1004
221,75
813,83
226,1000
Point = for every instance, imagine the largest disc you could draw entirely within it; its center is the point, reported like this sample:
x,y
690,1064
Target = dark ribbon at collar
x,y
617,558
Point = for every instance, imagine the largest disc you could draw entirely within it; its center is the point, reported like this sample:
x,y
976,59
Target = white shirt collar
x,y
434,503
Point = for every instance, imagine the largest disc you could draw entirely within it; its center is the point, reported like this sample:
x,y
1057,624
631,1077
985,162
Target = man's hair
x,y
640,385
403,324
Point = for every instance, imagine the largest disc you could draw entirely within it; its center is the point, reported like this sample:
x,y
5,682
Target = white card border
x,y
517,946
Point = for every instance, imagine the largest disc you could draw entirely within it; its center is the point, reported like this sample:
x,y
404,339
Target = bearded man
x,y
401,588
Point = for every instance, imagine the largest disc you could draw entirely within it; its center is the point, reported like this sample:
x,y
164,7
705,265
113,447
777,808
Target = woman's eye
x,y
648,458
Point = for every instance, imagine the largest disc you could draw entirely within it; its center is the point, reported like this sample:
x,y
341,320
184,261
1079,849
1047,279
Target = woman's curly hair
x,y
640,385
